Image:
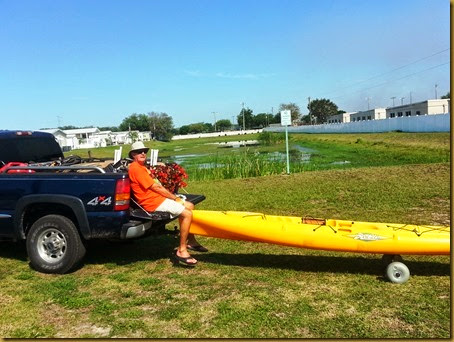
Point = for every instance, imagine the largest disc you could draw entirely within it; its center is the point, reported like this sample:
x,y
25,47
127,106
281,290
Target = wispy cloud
x,y
251,76
194,73
244,76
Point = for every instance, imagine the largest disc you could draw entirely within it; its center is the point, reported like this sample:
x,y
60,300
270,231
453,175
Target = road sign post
x,y
286,120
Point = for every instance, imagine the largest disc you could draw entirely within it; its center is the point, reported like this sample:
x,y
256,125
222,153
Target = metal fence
x,y
421,123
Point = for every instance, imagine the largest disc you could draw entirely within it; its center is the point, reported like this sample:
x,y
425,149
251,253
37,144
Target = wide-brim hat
x,y
137,146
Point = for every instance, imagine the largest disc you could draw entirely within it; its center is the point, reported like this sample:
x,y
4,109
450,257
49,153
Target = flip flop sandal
x,y
198,248
184,261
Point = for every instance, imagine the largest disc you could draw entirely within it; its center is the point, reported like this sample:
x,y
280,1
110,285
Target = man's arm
x,y
163,191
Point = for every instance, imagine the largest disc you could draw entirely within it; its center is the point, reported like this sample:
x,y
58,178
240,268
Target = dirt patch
x,y
386,320
436,212
61,321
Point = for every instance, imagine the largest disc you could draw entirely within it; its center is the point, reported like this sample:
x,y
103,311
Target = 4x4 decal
x,y
100,200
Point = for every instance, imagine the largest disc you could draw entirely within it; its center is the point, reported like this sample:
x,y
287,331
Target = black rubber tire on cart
x,y
397,272
389,258
54,245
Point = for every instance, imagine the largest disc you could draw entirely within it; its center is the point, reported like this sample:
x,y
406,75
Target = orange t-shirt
x,y
141,182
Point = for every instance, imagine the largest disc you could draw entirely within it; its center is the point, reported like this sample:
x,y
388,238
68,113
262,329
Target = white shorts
x,y
172,207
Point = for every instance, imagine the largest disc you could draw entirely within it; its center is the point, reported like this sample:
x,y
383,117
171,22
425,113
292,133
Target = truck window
x,y
29,149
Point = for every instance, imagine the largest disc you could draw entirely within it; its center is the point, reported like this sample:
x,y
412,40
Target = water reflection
x,y
236,144
297,154
294,156
343,162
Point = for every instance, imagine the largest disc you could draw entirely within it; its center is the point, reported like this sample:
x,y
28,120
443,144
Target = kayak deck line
x,y
341,224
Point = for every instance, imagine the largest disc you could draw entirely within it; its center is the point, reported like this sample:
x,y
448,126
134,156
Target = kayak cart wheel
x,y
397,272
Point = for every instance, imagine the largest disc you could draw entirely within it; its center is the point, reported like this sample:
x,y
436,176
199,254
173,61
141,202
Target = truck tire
x,y
54,244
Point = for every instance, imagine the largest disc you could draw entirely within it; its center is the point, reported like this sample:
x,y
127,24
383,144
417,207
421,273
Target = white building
x,y
372,114
145,136
81,137
82,133
428,107
92,137
339,118
59,135
120,138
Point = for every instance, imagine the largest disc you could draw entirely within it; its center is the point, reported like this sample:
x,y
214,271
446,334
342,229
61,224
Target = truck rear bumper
x,y
135,229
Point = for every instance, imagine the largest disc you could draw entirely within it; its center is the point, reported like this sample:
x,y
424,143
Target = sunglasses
x,y
140,151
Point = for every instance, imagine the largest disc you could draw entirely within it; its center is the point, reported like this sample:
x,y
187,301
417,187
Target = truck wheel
x,y
54,244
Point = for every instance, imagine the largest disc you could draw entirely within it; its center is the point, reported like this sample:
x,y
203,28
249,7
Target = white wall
x,y
422,123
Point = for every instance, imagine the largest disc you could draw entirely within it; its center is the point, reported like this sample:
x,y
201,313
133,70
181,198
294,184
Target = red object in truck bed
x,y
10,164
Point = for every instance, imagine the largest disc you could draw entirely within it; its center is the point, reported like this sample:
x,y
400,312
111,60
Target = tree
x,y
109,128
222,125
248,118
277,118
198,127
63,128
306,119
135,122
320,109
208,127
134,136
294,110
447,96
161,126
262,120
183,130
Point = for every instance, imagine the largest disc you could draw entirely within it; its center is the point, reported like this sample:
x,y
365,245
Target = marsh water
x,y
297,154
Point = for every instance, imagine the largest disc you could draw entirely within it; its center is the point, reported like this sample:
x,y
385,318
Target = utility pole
x,y
59,121
410,98
272,113
392,98
244,125
368,102
233,121
402,101
214,113
308,107
436,85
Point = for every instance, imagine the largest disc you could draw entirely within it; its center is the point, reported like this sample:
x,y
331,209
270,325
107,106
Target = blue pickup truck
x,y
56,207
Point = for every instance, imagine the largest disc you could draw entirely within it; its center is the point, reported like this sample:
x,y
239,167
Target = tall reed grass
x,y
247,164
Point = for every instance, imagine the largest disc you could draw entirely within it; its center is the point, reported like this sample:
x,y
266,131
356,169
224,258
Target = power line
x,y
390,71
400,78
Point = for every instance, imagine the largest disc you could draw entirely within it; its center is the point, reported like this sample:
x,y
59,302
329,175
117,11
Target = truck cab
x,y
28,147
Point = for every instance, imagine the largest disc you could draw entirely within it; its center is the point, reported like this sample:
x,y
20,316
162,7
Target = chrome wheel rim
x,y
51,245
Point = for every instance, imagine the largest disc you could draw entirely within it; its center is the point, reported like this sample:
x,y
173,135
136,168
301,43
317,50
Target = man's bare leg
x,y
185,220
191,238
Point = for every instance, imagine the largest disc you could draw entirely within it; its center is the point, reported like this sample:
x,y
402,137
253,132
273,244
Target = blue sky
x,y
95,62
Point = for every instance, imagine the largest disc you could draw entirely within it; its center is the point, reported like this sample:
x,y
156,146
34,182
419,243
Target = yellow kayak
x,y
329,234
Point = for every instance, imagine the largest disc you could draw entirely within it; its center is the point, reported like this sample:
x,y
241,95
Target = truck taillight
x,y
122,194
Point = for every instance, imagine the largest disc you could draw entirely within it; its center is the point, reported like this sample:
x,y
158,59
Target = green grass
x,y
331,151
244,289
439,142
418,194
